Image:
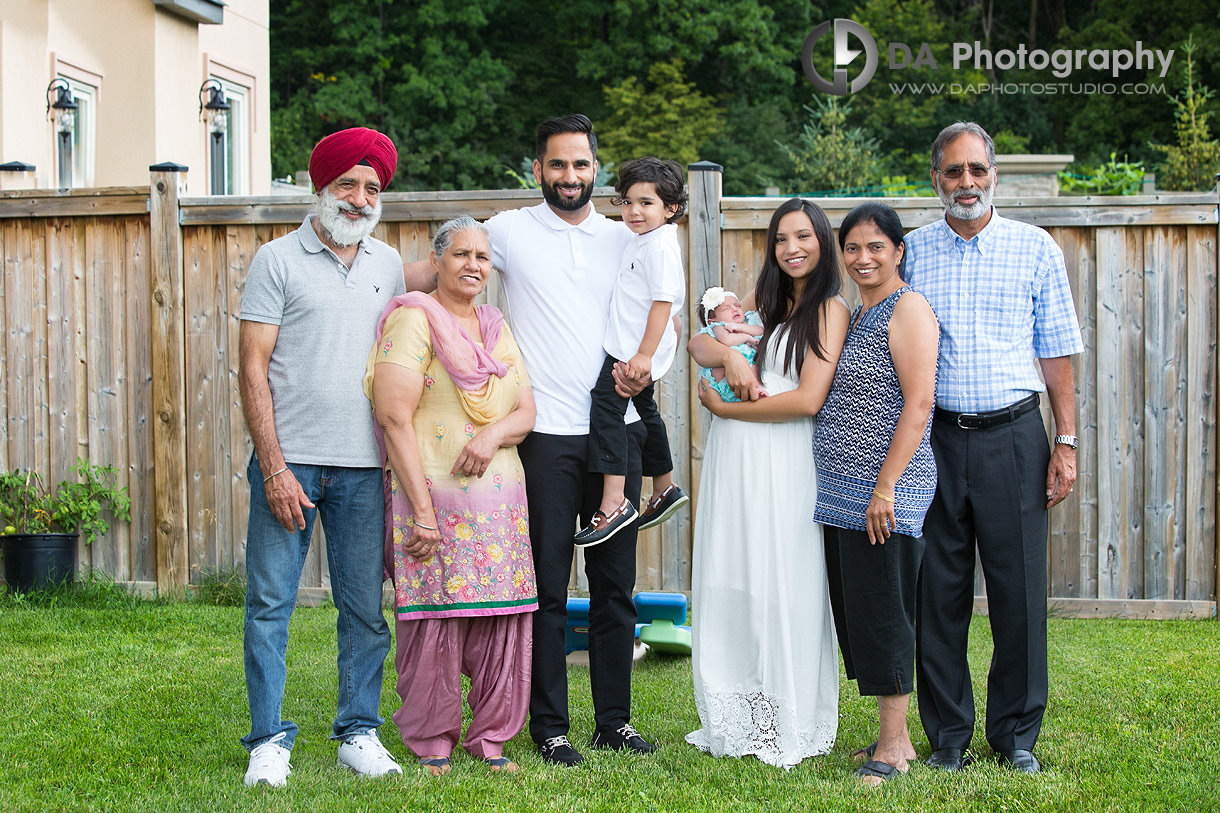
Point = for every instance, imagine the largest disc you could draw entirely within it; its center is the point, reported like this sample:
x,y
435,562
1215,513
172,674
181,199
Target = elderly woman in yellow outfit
x,y
452,401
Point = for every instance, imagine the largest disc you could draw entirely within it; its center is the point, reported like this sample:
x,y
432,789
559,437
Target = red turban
x,y
339,152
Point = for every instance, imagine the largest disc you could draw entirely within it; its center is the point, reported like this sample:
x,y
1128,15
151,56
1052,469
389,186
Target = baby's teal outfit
x,y
745,348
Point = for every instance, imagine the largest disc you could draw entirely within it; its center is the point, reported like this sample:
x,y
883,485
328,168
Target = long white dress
x,y
766,673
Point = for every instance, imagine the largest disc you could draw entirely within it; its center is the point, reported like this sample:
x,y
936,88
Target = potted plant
x,y
41,527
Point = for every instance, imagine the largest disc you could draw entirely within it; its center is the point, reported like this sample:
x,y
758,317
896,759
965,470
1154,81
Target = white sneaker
x,y
364,754
269,764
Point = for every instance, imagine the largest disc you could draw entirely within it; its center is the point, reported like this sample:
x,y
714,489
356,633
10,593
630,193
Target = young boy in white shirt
x,y
651,288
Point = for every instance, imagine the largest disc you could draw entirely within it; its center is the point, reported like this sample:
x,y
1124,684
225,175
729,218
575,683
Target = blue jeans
x,y
353,516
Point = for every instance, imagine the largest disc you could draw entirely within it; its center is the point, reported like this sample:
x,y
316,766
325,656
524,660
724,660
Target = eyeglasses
x,y
955,172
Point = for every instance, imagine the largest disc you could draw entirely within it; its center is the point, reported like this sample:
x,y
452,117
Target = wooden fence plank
x,y
1147,210
40,355
199,269
242,244
1143,609
61,344
1073,541
106,371
6,342
1164,411
1200,483
169,382
139,401
20,362
704,259
1120,394
80,264
73,206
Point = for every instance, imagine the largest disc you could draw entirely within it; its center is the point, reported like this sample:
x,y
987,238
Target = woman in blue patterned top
x,y
876,476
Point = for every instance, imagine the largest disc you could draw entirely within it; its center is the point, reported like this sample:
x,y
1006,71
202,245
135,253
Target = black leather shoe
x,y
1020,760
558,751
949,759
624,738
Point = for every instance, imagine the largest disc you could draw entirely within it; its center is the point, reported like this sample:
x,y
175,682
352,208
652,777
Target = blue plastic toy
x,y
576,633
660,622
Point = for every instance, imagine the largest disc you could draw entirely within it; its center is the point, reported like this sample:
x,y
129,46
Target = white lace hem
x,y
751,722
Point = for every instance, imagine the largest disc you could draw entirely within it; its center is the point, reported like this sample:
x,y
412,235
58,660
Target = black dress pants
x,y
991,492
560,489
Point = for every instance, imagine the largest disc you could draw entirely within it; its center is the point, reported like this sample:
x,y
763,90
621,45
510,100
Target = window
x,y
237,138
84,133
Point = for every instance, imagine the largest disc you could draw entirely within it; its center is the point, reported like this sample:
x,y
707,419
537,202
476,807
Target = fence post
x,y
1216,406
168,376
705,253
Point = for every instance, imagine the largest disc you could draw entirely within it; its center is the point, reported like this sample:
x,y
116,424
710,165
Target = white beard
x,y
980,208
342,231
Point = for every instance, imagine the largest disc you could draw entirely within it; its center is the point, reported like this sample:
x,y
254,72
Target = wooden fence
x,y
119,326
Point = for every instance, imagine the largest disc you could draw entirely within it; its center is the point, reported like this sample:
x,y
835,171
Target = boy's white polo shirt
x,y
559,279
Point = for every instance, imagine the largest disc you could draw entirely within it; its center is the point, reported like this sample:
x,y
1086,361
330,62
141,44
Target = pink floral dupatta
x,y
472,367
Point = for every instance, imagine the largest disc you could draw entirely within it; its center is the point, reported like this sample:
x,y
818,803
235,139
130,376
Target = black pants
x,y
878,589
991,492
560,488
608,433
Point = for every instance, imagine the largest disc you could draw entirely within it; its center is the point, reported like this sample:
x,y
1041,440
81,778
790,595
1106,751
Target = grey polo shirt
x,y
327,315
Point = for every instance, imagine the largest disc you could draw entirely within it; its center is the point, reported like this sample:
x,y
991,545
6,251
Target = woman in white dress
x,y
765,670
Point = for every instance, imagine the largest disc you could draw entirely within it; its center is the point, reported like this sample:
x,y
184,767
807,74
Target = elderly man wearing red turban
x,y
309,313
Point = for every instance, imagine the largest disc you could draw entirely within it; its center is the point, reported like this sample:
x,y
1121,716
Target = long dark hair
x,y
774,292
887,222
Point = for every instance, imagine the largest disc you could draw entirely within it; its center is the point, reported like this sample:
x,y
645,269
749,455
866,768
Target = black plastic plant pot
x,y
38,561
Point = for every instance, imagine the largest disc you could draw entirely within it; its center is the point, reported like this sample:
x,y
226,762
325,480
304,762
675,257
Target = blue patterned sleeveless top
x,y
856,425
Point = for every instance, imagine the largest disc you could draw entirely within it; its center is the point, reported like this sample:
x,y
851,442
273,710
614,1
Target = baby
x,y
724,319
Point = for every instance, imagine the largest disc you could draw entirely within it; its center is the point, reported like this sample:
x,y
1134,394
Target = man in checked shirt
x,y
1000,291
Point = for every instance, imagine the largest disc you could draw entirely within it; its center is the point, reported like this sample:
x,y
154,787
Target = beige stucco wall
x,y
151,64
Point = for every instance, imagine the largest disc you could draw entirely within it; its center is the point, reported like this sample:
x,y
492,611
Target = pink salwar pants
x,y
431,656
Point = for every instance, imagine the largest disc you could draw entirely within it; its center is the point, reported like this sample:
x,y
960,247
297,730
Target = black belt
x,y
986,420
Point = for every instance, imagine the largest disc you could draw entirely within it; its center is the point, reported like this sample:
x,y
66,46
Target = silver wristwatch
x,y
1067,440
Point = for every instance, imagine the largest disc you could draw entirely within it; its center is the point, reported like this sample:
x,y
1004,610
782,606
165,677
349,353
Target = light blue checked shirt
x,y
1003,301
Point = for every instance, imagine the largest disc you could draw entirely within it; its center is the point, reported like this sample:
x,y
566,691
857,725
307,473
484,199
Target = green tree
x,y
425,75
906,122
828,155
1190,165
667,117
744,55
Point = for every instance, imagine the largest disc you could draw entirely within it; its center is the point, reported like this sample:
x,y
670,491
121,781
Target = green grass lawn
x,y
123,705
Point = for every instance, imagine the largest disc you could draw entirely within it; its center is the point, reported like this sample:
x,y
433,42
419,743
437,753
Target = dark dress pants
x,y
560,488
991,492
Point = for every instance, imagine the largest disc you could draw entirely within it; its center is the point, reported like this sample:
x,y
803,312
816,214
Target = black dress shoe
x,y
558,751
624,738
949,759
1020,760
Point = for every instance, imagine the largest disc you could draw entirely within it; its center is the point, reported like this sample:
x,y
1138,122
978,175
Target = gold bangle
x,y
877,493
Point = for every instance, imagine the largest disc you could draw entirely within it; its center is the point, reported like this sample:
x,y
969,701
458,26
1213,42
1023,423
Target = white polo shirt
x,y
559,280
651,271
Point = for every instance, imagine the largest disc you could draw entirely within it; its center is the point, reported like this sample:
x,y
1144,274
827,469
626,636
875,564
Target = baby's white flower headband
x,y
714,297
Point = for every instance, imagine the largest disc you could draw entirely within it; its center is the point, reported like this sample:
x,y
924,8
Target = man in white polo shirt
x,y
559,261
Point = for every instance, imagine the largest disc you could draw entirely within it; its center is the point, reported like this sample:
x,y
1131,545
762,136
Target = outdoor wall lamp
x,y
218,123
65,108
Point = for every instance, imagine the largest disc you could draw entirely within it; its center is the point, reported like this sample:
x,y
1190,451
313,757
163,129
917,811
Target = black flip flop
x,y
866,752
440,763
874,767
